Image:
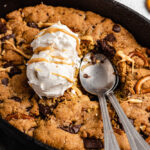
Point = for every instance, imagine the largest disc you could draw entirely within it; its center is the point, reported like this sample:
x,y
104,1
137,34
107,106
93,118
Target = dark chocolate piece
x,y
29,108
32,24
16,98
93,58
13,71
7,64
7,37
92,143
74,129
5,81
105,48
44,110
110,37
116,28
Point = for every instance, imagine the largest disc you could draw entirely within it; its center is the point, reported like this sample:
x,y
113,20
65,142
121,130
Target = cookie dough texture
x,y
72,121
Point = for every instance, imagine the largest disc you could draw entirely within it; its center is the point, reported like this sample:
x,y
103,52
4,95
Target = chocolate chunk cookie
x,y
72,121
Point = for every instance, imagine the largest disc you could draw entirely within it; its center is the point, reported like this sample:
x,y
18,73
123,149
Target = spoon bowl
x,y
98,77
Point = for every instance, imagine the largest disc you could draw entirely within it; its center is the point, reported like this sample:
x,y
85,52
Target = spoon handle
x,y
134,138
110,142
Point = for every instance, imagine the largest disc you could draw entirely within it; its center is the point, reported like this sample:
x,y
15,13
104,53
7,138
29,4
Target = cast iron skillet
x,y
135,23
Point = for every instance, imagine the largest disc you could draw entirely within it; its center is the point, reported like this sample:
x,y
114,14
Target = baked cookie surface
x,y
74,120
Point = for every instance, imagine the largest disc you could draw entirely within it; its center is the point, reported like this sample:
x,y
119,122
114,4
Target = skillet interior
x,y
132,21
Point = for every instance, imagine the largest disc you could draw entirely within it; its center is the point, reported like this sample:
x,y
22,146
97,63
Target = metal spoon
x,y
100,79
96,80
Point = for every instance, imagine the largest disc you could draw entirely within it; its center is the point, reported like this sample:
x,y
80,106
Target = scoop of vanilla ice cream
x,y
52,79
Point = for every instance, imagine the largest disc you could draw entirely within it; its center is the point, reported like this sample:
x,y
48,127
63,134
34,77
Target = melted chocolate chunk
x,y
105,48
74,129
3,28
31,96
14,71
1,101
143,134
32,24
17,99
86,76
55,105
116,28
93,58
30,48
44,110
110,37
21,42
93,27
29,108
7,64
5,81
7,37
91,143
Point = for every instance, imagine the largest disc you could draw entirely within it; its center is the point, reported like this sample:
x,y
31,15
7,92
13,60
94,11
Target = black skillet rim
x,y
12,131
